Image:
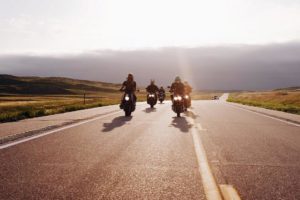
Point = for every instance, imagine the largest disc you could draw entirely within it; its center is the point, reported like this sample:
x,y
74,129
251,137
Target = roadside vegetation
x,y
286,100
15,108
205,95
28,97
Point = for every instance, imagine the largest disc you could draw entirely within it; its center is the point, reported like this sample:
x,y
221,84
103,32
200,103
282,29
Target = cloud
x,y
220,67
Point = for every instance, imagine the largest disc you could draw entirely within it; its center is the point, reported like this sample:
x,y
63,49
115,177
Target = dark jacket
x,y
152,88
129,86
177,88
161,90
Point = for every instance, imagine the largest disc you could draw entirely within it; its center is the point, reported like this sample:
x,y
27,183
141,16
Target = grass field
x,y
282,100
17,107
13,108
27,97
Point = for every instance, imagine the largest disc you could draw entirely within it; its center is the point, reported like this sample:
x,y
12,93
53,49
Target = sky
x,y
53,33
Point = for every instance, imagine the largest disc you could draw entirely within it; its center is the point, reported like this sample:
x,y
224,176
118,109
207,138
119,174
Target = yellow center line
x,y
211,188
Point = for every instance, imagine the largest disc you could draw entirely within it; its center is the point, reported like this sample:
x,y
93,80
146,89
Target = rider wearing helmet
x,y
177,87
187,88
161,90
152,88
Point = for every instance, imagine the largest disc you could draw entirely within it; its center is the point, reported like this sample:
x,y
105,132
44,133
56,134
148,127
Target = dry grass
x,y
17,107
283,100
198,95
14,108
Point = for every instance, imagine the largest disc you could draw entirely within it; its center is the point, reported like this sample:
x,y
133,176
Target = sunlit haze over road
x,y
150,99
247,39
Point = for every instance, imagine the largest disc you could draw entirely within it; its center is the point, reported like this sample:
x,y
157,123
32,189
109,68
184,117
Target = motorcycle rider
x,y
177,87
187,88
162,91
152,88
129,87
187,96
161,94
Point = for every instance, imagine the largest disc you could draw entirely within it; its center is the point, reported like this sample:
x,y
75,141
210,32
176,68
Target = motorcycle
x,y
128,104
187,101
161,97
151,99
178,105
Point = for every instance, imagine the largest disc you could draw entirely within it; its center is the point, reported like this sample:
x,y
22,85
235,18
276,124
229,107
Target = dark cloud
x,y
223,67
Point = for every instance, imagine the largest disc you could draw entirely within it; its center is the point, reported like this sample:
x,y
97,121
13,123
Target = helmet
x,y
177,79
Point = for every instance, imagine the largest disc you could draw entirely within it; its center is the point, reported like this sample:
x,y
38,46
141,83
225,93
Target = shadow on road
x,y
115,123
191,114
149,110
182,124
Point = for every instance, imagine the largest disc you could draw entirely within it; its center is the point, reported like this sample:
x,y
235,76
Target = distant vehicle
x,y
128,104
151,99
215,97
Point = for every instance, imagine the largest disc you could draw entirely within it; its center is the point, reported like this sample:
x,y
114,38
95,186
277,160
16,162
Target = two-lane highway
x,y
152,156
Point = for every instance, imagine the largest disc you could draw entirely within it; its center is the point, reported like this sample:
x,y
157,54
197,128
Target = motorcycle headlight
x,y
186,96
126,98
175,98
179,98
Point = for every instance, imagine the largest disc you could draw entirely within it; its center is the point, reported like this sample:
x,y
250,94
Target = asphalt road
x,y
152,156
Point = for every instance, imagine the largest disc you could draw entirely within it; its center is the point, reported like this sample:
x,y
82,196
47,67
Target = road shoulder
x,y
288,117
12,131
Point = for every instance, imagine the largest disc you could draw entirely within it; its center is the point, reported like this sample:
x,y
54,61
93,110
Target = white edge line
x,y
54,131
265,115
211,189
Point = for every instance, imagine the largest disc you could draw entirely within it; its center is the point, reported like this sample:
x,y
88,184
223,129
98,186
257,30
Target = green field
x,y
283,100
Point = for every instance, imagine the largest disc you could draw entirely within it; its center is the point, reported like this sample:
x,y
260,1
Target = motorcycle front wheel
x,y
127,113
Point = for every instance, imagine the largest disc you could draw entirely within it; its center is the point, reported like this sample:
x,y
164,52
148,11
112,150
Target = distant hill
x,y
52,85
295,88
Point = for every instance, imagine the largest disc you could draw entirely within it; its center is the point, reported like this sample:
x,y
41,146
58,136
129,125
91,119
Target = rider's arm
x,y
134,86
172,88
123,86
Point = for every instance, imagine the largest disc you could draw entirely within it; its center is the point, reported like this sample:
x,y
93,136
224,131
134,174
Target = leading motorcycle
x,y
128,104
